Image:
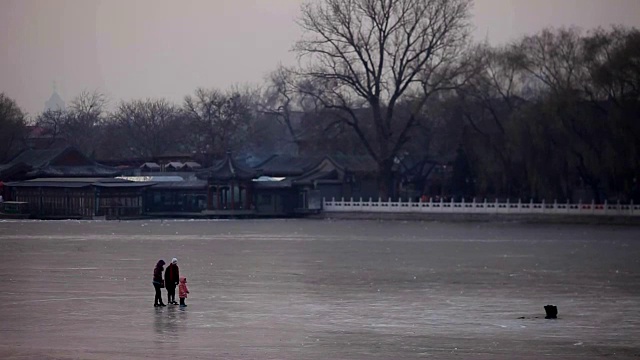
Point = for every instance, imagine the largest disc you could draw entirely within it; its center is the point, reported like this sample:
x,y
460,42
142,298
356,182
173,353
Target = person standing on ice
x,y
171,279
183,290
158,283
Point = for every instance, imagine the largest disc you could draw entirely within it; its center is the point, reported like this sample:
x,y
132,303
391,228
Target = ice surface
x,y
319,289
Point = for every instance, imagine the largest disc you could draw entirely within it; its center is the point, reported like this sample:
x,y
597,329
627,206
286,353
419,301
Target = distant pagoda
x,y
55,102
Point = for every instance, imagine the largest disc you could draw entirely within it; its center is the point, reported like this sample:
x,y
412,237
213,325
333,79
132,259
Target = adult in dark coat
x,y
158,283
172,279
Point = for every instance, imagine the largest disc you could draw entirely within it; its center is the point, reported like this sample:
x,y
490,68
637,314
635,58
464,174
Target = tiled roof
x,y
228,169
38,158
175,164
310,177
150,165
192,165
63,182
73,171
8,170
287,165
41,163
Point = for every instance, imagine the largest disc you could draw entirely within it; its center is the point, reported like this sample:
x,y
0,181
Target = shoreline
x,y
524,218
381,216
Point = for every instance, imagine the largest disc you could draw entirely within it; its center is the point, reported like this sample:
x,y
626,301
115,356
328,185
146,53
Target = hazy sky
x,y
166,48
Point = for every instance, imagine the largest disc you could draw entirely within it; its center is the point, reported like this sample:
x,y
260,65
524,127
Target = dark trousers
x,y
158,299
171,293
182,301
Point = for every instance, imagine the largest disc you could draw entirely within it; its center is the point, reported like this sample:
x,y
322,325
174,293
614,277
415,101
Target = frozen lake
x,y
320,289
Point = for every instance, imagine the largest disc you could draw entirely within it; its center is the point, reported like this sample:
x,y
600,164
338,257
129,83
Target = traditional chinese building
x,y
229,188
80,198
63,183
58,162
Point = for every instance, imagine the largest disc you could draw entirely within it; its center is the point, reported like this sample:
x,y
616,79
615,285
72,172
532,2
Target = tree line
x,y
553,115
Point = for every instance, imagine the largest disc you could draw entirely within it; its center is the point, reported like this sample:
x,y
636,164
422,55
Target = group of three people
x,y
172,279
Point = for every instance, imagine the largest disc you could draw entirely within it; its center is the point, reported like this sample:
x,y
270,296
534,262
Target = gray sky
x,y
165,48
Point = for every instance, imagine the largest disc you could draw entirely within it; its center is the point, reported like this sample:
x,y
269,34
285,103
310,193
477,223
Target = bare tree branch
x,y
372,55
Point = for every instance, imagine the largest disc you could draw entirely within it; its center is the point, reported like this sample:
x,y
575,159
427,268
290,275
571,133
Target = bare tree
x,y
89,107
54,122
377,54
612,86
611,58
12,127
81,124
280,100
115,143
220,119
556,59
152,127
489,103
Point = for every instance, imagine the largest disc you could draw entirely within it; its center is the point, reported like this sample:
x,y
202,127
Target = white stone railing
x,y
484,207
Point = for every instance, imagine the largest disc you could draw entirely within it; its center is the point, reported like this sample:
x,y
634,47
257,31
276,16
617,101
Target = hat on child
x,y
174,260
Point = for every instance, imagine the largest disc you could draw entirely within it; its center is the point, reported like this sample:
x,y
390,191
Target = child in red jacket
x,y
183,290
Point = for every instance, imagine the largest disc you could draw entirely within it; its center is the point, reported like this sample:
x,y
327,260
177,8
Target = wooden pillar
x,y
209,199
242,200
65,202
231,193
247,204
96,203
218,197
